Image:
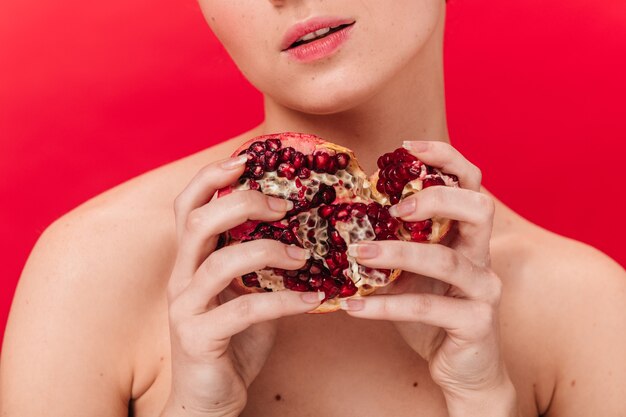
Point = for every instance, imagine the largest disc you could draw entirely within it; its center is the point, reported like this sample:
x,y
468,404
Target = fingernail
x,y
235,162
416,145
278,204
298,253
363,250
351,305
403,209
313,297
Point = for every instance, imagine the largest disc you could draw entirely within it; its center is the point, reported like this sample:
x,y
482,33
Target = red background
x,y
94,93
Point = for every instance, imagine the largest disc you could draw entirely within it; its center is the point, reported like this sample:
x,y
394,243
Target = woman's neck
x,y
410,107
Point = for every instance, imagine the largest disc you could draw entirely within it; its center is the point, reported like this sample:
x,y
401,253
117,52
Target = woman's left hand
x,y
445,305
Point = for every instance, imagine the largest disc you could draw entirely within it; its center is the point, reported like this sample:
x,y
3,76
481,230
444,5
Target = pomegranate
x,y
334,204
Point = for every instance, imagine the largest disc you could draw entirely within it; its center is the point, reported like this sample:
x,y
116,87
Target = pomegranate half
x,y
335,204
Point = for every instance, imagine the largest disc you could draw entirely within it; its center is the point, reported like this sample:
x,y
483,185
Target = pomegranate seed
x,y
320,161
298,160
328,195
429,182
380,185
384,160
257,172
336,239
309,161
287,171
359,210
258,147
273,144
325,211
420,235
254,185
251,280
271,161
315,269
331,166
416,226
343,159
304,173
373,209
286,154
253,159
315,281
415,170
303,276
288,237
298,286
348,289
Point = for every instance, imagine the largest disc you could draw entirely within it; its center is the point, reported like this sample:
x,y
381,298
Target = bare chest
x,y
332,365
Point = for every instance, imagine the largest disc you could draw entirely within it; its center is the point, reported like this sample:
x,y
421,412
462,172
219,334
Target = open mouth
x,y
318,34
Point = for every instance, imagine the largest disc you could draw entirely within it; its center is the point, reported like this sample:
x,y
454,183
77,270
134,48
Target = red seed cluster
x,y
397,168
269,156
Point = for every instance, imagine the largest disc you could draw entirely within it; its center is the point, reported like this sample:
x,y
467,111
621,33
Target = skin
x,y
124,302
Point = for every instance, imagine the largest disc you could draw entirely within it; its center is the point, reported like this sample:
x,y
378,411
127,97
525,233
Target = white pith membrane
x,y
350,188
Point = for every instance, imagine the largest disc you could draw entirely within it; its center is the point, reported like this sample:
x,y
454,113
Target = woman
x,y
124,305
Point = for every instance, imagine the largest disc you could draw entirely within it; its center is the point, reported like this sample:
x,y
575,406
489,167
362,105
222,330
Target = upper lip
x,y
311,25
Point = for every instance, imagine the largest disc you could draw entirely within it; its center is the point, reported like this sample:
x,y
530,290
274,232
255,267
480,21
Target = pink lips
x,y
318,48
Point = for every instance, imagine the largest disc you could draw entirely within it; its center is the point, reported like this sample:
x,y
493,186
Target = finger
x,y
205,223
237,315
473,210
435,310
443,156
219,269
432,260
203,186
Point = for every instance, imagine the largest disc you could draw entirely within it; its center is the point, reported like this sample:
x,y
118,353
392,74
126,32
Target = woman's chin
x,y
330,102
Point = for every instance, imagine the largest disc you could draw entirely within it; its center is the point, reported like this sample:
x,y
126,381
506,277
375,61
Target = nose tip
x,y
277,3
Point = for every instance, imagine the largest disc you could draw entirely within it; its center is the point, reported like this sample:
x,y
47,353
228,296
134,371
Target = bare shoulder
x,y
563,311
91,293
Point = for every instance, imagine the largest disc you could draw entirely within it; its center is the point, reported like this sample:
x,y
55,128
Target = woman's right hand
x,y
219,340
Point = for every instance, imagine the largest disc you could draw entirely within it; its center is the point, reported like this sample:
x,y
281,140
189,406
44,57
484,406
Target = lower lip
x,y
320,48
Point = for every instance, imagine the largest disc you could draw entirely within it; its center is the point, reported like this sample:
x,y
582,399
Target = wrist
x,y
497,401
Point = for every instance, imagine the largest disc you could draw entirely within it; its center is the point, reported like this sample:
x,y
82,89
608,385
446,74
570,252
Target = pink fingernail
x,y
416,145
351,305
235,162
363,250
313,297
403,209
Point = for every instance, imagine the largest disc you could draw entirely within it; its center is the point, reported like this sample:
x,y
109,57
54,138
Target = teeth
x,y
314,35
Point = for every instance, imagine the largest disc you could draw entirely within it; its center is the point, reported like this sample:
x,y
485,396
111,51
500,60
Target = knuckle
x,y
243,306
477,174
179,203
484,319
449,262
434,198
421,305
214,263
282,301
188,338
175,312
494,288
206,172
385,307
246,200
195,221
486,205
